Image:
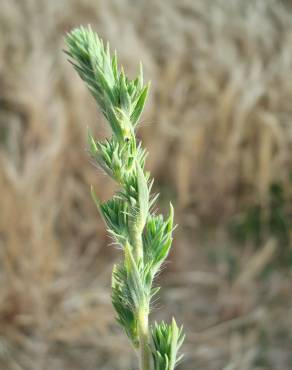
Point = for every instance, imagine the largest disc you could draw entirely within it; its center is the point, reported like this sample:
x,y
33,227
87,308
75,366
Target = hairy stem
x,y
136,240
144,354
143,311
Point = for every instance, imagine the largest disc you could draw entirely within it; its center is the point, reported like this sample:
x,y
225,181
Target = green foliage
x,y
157,239
167,340
144,237
123,304
121,100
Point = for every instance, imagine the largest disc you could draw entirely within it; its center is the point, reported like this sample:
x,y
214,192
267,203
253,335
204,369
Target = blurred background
x,y
219,132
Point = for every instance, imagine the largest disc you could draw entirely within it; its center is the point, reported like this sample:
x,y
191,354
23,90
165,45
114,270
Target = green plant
x,y
144,236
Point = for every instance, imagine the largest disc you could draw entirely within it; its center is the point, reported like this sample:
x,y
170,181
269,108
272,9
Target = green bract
x,y
144,237
167,340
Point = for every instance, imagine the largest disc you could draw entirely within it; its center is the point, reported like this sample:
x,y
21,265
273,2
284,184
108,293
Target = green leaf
x,y
115,214
125,98
157,239
134,278
167,340
143,196
115,66
122,302
91,143
139,105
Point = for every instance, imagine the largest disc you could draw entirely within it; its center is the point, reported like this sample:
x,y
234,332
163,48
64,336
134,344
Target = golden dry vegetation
x,y
218,129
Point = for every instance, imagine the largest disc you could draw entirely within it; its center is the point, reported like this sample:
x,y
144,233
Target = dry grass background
x,y
218,128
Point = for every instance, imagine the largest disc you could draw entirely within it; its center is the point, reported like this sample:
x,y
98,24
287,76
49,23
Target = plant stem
x,y
136,240
143,310
145,236
144,355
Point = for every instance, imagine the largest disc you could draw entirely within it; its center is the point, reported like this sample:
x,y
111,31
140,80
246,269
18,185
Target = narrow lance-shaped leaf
x,y
139,105
143,196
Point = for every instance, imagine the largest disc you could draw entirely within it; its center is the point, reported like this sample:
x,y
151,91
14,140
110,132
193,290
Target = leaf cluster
x,y
167,341
120,99
144,237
